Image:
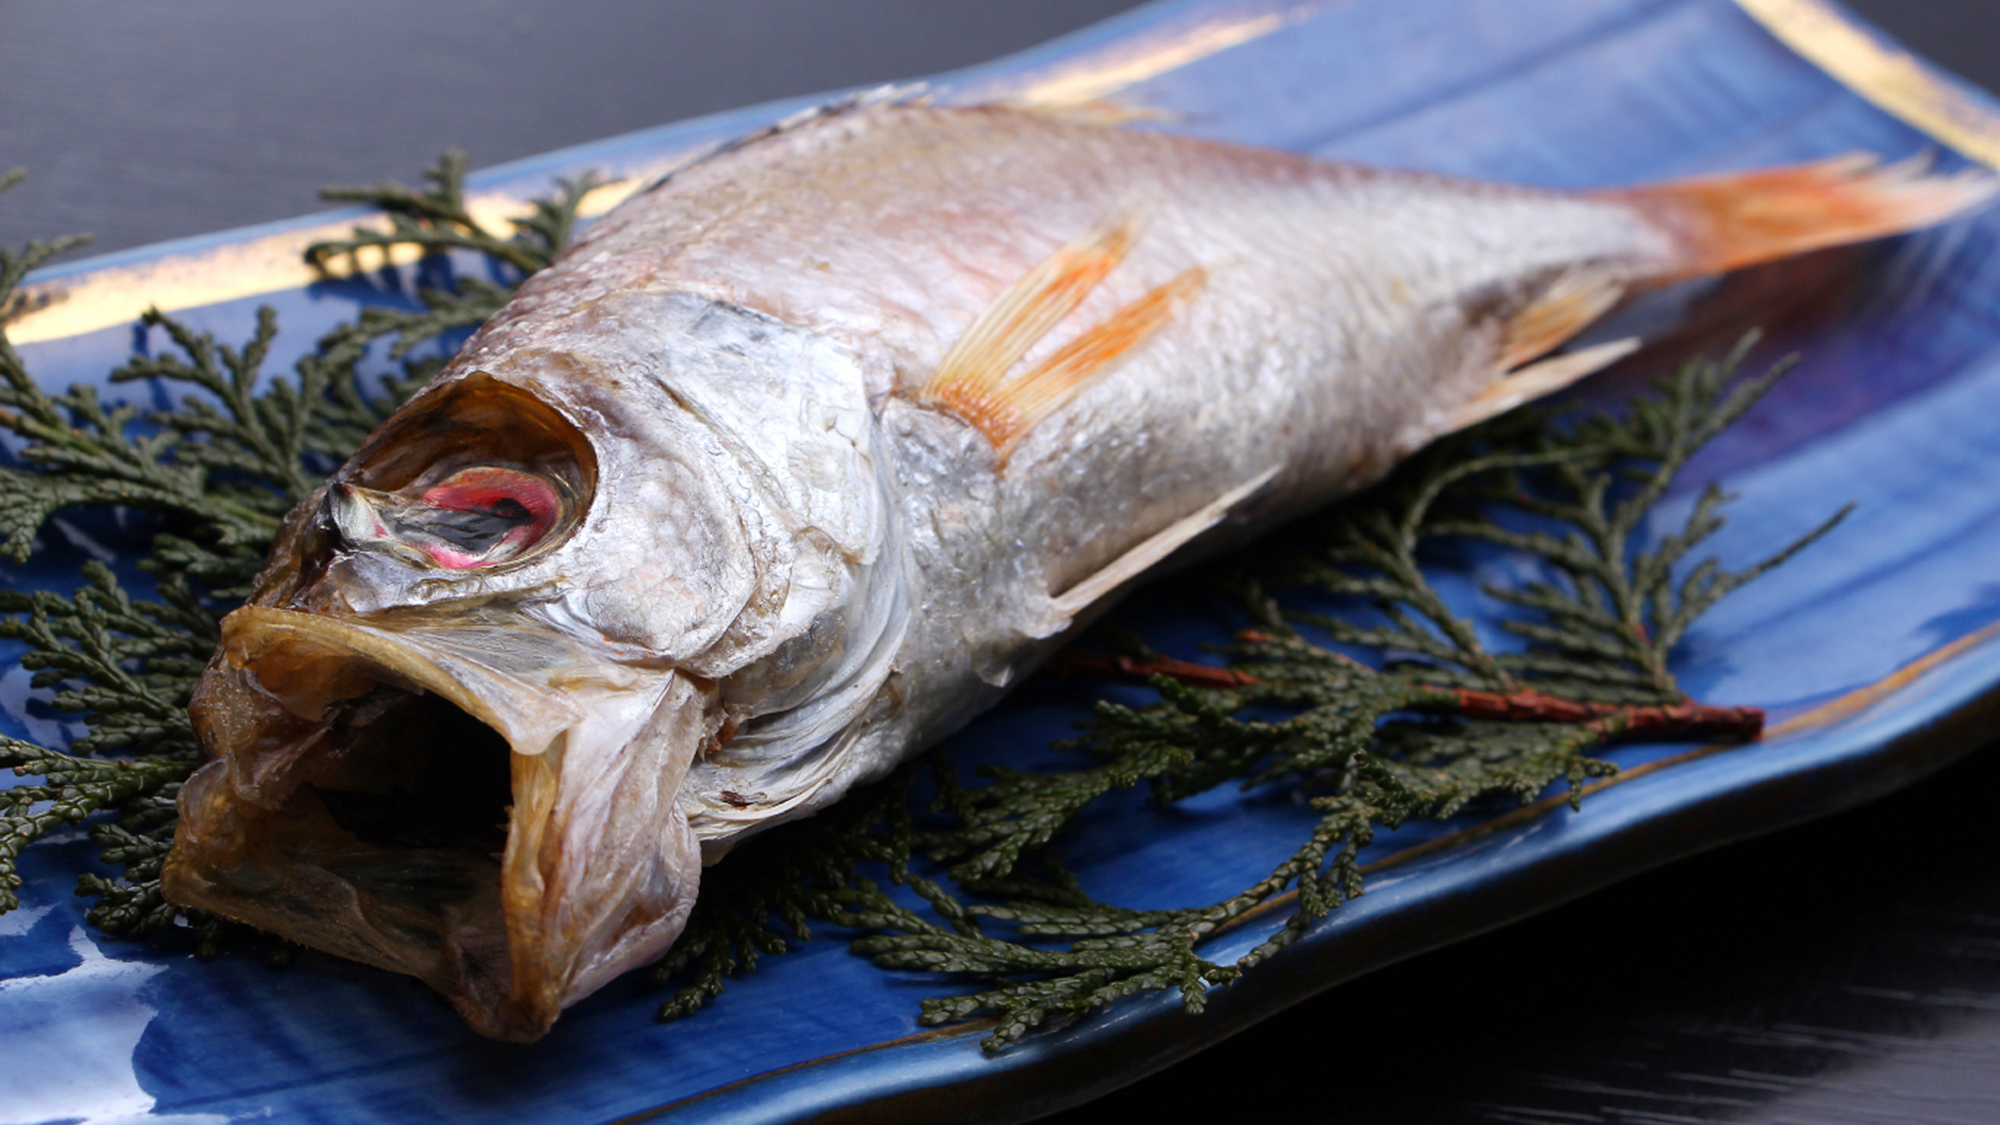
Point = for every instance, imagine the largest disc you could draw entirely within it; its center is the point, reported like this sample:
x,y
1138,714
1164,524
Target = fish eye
x,y
476,475
479,516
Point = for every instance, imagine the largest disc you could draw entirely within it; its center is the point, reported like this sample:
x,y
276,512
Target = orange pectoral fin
x,y
972,380
1050,384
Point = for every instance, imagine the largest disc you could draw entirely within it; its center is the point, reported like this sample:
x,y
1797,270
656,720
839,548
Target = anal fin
x,y
1570,304
1534,381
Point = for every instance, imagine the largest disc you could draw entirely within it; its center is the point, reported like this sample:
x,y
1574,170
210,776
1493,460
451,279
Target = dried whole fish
x,y
797,460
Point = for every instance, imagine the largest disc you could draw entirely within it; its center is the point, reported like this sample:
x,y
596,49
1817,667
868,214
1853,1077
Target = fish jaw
x,y
674,583
497,819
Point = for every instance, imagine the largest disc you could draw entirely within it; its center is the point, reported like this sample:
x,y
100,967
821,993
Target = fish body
x,y
800,458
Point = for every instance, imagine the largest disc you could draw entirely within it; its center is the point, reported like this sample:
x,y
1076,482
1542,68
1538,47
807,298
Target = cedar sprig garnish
x,y
127,662
1609,627
777,890
1603,630
80,452
222,467
17,264
217,470
436,219
71,788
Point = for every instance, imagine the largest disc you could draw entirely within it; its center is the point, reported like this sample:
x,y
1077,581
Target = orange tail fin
x,y
1725,222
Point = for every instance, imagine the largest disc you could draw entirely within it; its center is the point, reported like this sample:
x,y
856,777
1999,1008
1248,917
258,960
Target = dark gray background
x,y
1847,971
140,120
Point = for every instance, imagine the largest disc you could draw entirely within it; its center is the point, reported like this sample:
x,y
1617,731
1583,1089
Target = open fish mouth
x,y
490,807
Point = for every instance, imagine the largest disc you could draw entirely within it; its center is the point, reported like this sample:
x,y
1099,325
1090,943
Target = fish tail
x,y
1726,222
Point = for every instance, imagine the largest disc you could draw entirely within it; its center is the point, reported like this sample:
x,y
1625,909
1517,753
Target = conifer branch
x,y
219,470
436,219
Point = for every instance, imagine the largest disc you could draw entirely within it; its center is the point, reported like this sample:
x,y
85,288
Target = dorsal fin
x,y
972,380
892,94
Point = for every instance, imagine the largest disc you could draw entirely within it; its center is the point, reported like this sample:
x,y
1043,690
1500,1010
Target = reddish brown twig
x,y
1659,722
1070,662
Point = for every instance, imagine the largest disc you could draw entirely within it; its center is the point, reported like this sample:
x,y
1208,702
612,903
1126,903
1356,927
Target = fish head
x,y
447,733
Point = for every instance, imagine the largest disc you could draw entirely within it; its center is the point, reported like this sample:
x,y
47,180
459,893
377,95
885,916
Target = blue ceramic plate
x,y
1871,650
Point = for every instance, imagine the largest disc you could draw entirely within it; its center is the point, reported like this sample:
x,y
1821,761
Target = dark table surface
x,y
1844,971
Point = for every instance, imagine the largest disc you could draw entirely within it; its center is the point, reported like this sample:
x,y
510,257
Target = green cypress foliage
x,y
219,470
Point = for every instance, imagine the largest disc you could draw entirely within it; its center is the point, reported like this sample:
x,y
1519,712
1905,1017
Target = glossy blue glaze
x,y
1892,408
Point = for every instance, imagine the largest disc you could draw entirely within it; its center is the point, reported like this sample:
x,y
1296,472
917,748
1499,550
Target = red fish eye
x,y
518,509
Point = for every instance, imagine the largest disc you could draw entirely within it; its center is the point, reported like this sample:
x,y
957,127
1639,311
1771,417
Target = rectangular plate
x,y
1871,650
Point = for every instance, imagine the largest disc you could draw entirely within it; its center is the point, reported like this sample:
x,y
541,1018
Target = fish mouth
x,y
488,806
